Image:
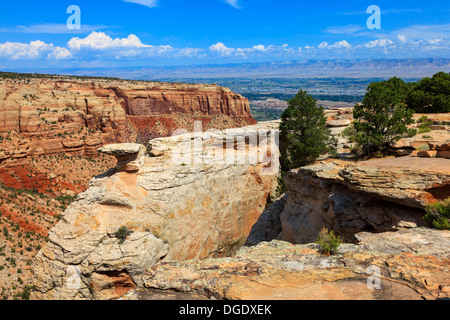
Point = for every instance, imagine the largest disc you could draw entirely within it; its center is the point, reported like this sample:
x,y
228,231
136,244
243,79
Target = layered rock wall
x,y
67,115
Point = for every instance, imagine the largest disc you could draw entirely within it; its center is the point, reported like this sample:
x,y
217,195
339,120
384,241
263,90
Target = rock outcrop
x,y
77,116
170,208
410,264
130,156
351,197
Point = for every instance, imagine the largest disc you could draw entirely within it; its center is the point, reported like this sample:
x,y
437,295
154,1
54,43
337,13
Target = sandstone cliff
x,y
76,116
172,210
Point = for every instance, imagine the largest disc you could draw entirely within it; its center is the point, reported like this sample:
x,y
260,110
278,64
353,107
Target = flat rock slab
x,y
278,270
120,149
410,163
411,181
339,123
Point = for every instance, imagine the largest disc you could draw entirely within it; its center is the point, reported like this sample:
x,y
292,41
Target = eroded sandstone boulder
x,y
173,210
130,156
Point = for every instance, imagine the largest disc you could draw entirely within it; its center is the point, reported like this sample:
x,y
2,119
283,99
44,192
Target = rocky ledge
x,y
404,265
350,197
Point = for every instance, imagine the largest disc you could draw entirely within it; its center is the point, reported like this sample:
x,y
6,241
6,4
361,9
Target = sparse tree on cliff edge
x,y
431,95
303,125
382,118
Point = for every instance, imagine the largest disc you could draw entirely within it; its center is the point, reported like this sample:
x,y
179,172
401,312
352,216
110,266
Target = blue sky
x,y
118,33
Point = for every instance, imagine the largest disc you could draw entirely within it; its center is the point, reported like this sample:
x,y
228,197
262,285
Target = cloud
x,y
378,43
233,3
222,50
337,45
425,32
101,41
401,38
34,50
102,46
154,3
147,3
350,29
95,46
414,32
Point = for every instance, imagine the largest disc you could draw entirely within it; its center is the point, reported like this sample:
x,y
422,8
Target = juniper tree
x,y
382,118
303,125
431,95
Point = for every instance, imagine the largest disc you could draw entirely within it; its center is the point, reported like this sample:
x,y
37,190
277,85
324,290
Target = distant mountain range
x,y
404,68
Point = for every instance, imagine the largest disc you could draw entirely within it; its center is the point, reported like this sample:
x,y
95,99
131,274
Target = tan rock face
x,y
161,98
412,265
347,197
174,210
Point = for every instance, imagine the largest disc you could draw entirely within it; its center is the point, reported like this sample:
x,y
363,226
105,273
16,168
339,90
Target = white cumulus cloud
x,y
379,43
337,45
33,51
101,41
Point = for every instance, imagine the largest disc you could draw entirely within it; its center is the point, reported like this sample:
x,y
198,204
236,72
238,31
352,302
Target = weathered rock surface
x,y
339,123
412,263
377,196
409,181
130,156
175,210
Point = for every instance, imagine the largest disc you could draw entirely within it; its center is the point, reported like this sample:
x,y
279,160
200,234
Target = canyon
x,y
51,128
192,234
101,202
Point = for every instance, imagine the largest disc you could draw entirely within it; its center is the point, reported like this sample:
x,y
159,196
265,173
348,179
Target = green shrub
x,y
25,294
439,214
122,234
328,242
425,124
